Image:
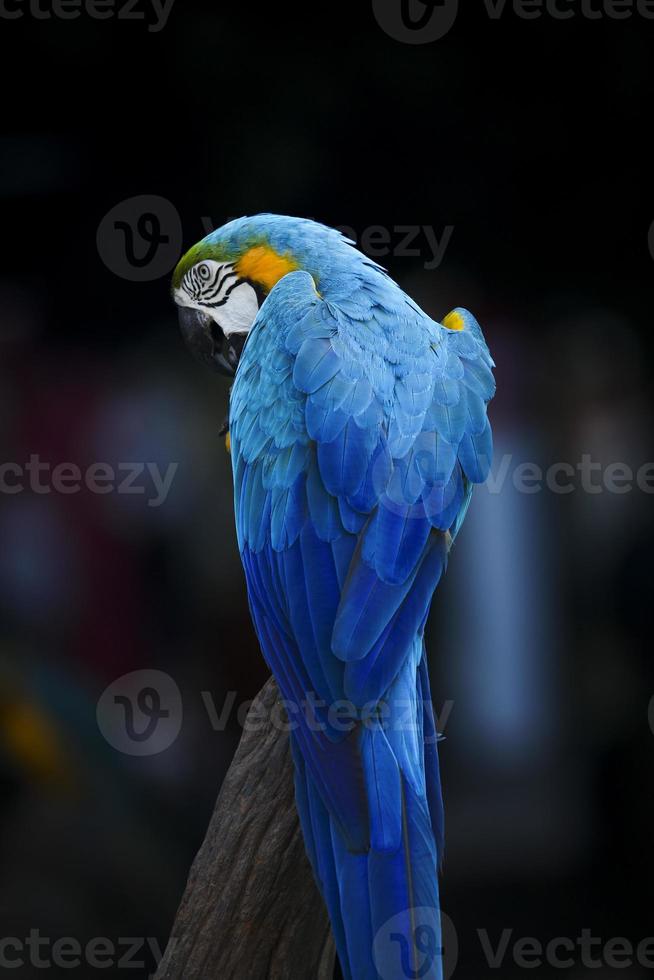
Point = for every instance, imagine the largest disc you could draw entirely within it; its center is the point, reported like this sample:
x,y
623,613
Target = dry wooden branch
x,y
251,909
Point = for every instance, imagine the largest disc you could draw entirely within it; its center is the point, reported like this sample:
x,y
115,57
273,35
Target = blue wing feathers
x,y
354,889
315,364
383,790
307,622
366,606
353,397
324,423
432,769
477,418
335,766
367,679
449,420
378,473
343,549
475,453
343,461
323,506
396,539
445,501
353,520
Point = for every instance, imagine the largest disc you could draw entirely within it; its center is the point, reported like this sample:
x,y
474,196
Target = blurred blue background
x,y
528,140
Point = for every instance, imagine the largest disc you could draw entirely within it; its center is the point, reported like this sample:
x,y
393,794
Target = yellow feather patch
x,y
453,321
264,265
228,443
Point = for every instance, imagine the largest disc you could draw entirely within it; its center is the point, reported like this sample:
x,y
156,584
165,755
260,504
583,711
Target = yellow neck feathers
x,y
265,266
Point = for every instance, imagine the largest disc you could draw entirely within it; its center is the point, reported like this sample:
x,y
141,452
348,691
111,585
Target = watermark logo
x,y
141,712
416,945
416,21
140,239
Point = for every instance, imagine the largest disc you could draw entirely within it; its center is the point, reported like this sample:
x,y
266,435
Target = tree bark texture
x,y
251,909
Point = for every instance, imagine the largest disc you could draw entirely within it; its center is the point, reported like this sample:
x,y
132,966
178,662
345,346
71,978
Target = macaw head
x,y
221,282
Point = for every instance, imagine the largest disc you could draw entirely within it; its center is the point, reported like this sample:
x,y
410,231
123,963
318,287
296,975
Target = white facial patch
x,y
239,312
215,288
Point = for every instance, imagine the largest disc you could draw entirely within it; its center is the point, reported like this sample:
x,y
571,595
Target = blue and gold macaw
x,y
358,427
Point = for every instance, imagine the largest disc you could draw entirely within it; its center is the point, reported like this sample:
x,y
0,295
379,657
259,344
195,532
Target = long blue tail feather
x,y
390,888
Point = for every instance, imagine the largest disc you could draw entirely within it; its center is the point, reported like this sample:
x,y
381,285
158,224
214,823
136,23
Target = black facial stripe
x,y
210,287
229,271
214,289
195,285
221,302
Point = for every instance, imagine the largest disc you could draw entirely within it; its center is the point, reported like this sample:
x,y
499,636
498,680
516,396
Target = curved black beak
x,y
208,343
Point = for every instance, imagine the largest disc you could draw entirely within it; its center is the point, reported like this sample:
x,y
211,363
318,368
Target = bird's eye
x,y
204,271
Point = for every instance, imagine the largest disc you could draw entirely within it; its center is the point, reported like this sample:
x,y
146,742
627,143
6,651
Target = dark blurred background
x,y
529,141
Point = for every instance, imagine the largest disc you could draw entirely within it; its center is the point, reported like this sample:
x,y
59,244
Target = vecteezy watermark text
x,y
402,241
564,952
141,714
567,9
68,953
527,477
42,477
140,239
154,12
318,715
425,21
564,477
